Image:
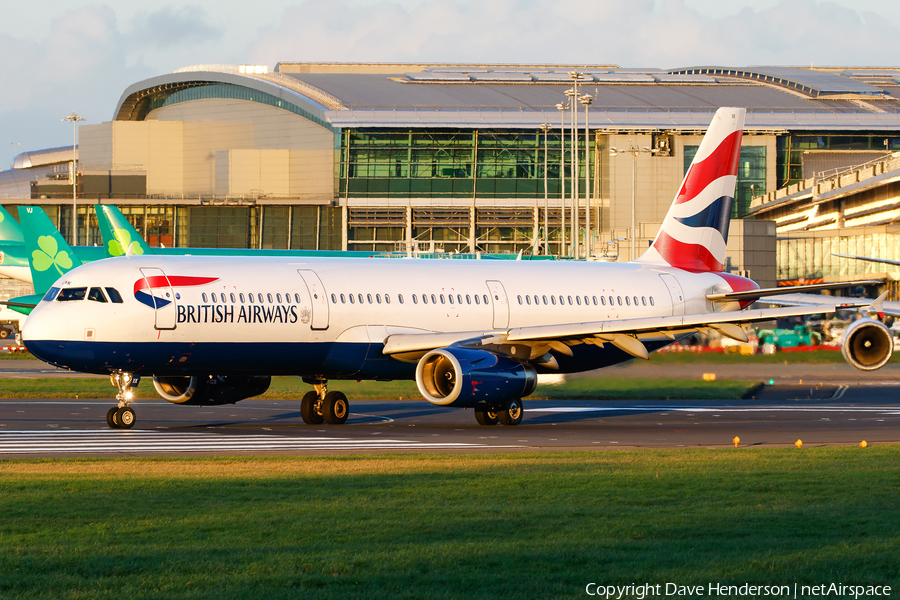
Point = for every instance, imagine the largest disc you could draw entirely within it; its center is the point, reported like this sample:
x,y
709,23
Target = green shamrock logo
x,y
48,255
122,244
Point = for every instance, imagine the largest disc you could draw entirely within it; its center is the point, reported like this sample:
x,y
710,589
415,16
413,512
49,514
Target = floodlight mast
x,y
74,118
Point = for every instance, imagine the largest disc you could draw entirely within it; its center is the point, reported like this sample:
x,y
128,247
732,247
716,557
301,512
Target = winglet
x,y
877,305
120,238
49,255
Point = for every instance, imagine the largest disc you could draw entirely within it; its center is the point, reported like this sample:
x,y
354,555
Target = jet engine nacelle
x,y
867,344
465,377
206,390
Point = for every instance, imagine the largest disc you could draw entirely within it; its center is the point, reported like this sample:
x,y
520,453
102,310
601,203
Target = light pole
x,y
562,108
74,120
573,94
634,151
586,100
546,129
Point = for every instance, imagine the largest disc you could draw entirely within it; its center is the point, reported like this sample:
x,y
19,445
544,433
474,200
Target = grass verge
x,y
600,388
446,526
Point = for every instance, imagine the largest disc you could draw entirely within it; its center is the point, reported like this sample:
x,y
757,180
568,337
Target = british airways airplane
x,y
214,330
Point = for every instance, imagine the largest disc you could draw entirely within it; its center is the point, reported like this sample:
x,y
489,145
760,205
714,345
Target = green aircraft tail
x,y
50,255
10,231
119,236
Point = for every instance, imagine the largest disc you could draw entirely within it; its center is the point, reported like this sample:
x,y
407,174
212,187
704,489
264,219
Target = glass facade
x,y
310,227
791,148
811,257
386,163
751,176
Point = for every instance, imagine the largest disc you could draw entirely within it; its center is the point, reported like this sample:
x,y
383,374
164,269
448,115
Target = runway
x,y
819,415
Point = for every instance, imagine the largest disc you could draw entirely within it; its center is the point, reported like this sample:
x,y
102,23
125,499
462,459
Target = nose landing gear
x,y
122,416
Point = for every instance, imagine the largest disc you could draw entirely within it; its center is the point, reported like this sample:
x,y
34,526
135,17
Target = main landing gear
x,y
121,416
507,414
322,406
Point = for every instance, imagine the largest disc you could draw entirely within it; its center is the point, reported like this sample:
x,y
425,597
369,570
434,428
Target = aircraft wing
x,y
885,261
888,308
625,334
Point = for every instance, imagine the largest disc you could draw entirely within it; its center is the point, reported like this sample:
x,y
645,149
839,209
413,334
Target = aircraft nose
x,y
42,333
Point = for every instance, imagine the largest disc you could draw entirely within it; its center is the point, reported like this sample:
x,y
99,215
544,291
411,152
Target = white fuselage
x,y
330,317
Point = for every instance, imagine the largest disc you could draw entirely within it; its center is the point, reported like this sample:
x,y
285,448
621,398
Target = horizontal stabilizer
x,y
777,291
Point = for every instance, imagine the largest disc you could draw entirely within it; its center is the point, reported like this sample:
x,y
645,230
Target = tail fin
x,y
10,231
695,230
119,236
49,254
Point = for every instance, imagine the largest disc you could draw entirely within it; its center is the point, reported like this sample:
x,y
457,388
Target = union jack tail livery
x,y
695,230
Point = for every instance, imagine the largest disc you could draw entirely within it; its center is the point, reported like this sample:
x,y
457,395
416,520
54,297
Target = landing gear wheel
x,y
512,414
486,417
335,408
111,417
125,417
308,409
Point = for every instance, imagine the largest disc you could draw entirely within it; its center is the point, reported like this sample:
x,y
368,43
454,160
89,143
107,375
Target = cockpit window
x,y
51,294
96,294
114,296
70,294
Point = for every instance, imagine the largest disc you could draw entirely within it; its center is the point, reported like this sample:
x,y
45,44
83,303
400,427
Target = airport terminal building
x,y
468,158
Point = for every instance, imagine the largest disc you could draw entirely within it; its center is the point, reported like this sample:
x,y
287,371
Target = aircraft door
x,y
500,303
160,296
675,292
317,297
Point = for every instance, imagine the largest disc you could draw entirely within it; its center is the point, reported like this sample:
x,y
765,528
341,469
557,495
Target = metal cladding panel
x,y
826,82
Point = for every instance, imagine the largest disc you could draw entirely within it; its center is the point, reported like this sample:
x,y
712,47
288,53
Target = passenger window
x,y
570,301
586,301
477,299
603,300
651,300
577,300
114,295
287,298
635,300
433,299
468,299
594,298
269,297
278,297
378,298
459,299
359,297
415,299
545,300
553,300
96,294
520,298
250,298
400,298
71,294
627,301
51,294
644,300
536,301
214,297
343,299
484,297
259,297
442,298
369,298
351,299
450,298
562,300
333,298
619,298
297,298
527,300
424,299
241,296
232,298
387,298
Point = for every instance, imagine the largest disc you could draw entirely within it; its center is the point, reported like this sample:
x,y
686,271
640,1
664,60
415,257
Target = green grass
x,y
446,526
603,388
